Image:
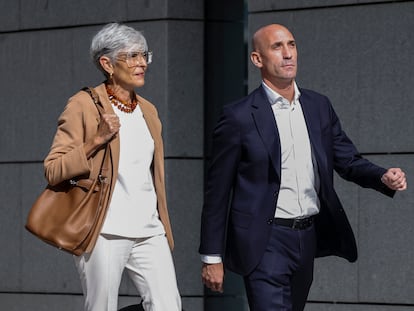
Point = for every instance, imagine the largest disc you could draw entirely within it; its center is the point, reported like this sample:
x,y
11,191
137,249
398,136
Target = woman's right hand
x,y
108,127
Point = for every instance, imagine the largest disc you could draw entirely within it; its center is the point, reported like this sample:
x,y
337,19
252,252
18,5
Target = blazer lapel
x,y
149,120
265,122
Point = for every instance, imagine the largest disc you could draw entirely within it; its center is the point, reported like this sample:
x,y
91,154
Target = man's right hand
x,y
213,276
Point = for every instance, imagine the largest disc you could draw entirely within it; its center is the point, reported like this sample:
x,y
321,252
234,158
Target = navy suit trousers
x,y
282,280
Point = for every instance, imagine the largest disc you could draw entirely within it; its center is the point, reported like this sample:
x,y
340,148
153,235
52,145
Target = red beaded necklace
x,y
121,105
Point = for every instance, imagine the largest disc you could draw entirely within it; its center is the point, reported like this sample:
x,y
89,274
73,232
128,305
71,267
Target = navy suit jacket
x,y
243,180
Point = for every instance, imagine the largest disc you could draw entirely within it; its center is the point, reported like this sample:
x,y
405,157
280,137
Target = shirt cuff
x,y
211,259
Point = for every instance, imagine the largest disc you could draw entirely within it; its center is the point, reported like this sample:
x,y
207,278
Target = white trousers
x,y
149,265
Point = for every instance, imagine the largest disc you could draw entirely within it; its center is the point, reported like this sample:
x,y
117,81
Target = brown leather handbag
x,y
66,215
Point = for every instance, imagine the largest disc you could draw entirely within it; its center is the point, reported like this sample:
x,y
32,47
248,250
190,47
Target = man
x,y
274,153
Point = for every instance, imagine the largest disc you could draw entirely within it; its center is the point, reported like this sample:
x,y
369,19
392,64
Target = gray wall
x,y
356,52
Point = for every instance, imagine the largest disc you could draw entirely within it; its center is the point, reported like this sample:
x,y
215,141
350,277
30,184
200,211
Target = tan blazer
x,y
78,124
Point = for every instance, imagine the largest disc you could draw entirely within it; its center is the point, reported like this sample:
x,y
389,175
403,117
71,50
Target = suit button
x,y
275,194
270,221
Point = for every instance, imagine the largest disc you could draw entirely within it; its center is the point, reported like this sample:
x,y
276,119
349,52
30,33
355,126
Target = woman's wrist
x,y
92,146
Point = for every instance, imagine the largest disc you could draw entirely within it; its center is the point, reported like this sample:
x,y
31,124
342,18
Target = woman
x,y
136,232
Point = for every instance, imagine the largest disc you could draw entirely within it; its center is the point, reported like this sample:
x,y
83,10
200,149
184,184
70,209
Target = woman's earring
x,y
110,76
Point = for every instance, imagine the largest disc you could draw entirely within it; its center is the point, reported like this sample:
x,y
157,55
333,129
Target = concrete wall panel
x,y
184,123
38,14
10,231
38,69
40,302
9,15
354,307
280,5
386,238
185,184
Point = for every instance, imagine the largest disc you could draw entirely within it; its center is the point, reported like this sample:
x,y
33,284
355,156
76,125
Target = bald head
x,y
260,37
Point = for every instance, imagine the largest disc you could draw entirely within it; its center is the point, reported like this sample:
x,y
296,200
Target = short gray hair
x,y
112,39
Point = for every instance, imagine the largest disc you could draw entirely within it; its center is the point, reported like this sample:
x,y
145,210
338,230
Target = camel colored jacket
x,y
78,124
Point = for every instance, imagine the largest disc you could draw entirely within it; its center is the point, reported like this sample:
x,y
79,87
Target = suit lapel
x,y
312,119
265,122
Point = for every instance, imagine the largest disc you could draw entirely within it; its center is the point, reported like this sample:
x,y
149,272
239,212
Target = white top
x,y
299,184
133,209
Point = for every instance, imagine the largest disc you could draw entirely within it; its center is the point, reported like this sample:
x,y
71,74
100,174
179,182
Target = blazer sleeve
x,y
67,158
220,178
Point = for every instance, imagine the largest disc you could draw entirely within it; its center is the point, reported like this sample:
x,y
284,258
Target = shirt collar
x,y
274,96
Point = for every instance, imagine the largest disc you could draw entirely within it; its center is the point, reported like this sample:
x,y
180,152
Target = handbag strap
x,y
95,98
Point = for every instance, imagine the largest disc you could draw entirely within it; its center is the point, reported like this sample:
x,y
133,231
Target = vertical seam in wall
x,y
21,216
358,238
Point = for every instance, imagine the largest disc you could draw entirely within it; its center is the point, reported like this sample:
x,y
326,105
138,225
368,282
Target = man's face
x,y
276,54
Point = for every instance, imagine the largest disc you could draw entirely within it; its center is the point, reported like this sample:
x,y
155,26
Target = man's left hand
x,y
394,179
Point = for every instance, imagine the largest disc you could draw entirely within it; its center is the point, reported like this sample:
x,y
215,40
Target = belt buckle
x,y
296,223
301,223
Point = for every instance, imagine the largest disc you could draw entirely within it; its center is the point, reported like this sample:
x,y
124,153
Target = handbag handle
x,y
95,97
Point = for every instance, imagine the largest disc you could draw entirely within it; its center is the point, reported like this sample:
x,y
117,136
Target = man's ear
x,y
106,64
256,59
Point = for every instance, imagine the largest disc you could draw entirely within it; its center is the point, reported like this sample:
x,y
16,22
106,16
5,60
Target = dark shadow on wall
x,y
225,81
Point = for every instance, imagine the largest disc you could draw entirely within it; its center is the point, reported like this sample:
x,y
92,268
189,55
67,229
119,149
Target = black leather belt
x,y
294,223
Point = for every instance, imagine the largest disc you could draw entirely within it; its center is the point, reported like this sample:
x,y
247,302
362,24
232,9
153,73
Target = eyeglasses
x,y
133,59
